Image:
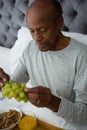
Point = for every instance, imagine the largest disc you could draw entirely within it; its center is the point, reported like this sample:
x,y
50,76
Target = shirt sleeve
x,y
72,112
19,73
76,111
17,65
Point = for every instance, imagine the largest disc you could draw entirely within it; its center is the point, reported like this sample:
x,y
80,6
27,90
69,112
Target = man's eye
x,y
42,30
31,31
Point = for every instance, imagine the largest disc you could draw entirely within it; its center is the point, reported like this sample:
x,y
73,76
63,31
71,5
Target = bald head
x,y
50,7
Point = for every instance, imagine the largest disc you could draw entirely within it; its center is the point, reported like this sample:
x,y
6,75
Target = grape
x,y
7,85
18,99
17,91
4,93
22,94
11,94
15,86
23,85
12,89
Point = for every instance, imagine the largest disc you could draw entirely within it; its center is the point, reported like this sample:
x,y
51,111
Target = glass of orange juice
x,y
28,122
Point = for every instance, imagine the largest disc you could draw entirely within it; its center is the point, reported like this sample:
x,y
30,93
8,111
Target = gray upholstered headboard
x,y
12,17
75,15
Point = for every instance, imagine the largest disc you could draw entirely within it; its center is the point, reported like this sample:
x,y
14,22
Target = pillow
x,y
77,36
4,59
24,37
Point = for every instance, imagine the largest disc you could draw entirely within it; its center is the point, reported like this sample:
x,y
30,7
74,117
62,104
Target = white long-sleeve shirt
x,y
65,73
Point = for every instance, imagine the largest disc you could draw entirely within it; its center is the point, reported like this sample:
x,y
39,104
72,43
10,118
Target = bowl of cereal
x,y
9,117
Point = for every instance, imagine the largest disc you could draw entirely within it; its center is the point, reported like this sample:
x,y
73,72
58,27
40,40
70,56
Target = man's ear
x,y
60,22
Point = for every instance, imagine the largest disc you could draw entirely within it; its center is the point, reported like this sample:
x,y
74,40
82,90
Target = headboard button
x,y
1,4
0,16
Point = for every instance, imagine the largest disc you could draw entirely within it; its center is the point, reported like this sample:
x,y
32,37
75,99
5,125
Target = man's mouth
x,y
42,47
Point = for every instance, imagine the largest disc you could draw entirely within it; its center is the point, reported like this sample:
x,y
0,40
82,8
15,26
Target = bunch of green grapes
x,y
12,89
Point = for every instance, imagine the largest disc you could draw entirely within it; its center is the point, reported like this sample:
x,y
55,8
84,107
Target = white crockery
x,y
6,109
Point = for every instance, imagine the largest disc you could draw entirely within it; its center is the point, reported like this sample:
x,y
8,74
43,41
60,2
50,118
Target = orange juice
x,y
28,122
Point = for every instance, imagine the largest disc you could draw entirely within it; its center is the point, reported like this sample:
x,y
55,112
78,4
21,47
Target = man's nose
x,y
37,37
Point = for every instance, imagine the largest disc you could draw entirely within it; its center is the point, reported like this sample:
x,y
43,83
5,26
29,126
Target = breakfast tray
x,y
43,126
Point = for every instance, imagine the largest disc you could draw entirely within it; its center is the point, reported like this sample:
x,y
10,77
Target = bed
x,y
12,19
14,32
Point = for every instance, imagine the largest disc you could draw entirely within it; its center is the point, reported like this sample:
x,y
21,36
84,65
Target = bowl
x,y
13,113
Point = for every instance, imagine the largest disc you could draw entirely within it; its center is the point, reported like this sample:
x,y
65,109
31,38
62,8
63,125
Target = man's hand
x,y
41,97
3,78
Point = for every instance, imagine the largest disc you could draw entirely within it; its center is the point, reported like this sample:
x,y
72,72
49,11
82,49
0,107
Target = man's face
x,y
43,29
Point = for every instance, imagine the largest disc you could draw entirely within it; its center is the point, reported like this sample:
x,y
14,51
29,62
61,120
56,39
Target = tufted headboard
x,y
12,18
75,15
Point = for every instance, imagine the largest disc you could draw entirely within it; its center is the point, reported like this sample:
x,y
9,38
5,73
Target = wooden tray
x,y
43,126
